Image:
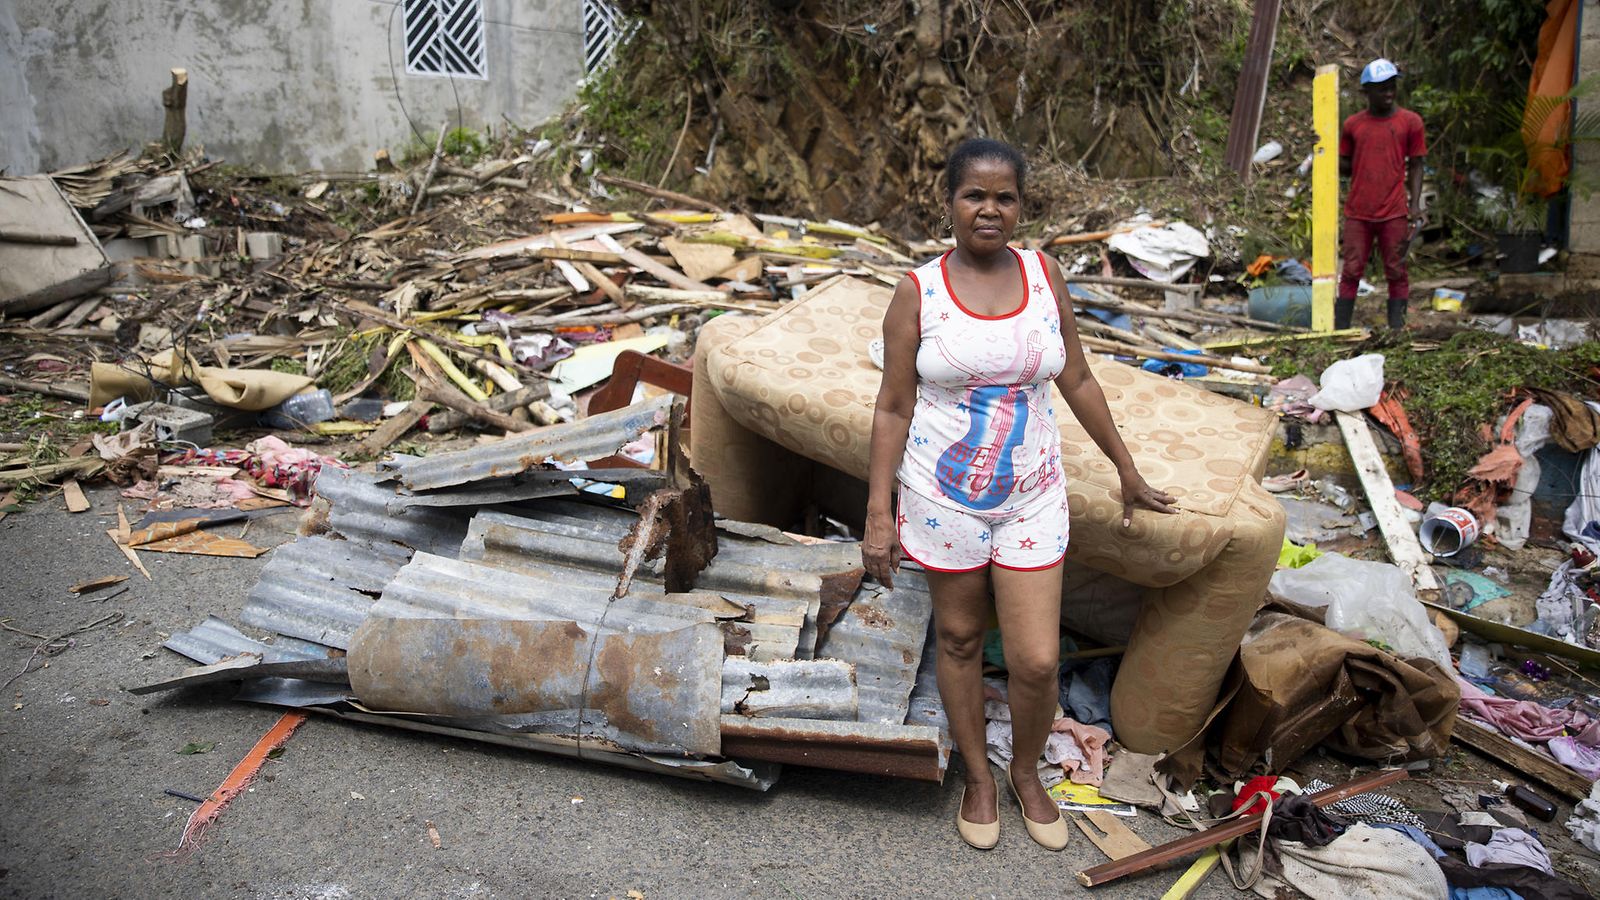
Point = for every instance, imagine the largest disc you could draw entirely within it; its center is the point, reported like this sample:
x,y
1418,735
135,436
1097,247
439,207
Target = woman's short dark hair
x,y
972,150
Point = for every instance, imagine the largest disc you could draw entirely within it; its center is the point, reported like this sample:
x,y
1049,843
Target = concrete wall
x,y
287,85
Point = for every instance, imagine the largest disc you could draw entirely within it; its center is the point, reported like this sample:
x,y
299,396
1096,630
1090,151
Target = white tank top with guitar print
x,y
984,437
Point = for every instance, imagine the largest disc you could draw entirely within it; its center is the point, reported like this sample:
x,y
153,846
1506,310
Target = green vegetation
x,y
1469,381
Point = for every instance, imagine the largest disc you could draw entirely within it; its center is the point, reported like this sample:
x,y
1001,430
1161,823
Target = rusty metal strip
x,y
1250,96
898,751
791,689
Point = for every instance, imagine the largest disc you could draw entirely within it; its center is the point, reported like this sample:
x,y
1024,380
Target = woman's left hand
x,y
1135,492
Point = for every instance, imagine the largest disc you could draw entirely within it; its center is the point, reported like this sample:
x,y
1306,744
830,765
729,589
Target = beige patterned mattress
x,y
801,378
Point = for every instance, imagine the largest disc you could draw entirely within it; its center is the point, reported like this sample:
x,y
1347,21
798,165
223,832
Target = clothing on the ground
x,y
983,434
1527,882
1072,750
1362,862
1085,691
1379,148
1526,719
1373,809
1417,835
1512,846
1026,537
1296,818
1359,236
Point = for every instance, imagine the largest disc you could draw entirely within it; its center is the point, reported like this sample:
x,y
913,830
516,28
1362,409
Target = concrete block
x,y
172,423
263,244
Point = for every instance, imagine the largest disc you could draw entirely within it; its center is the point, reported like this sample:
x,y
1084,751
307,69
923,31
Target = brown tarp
x,y
1300,684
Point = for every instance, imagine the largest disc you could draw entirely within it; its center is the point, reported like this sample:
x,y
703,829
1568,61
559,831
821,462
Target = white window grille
x,y
603,29
445,37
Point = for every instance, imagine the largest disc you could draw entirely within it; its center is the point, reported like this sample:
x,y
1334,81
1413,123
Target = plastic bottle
x,y
301,410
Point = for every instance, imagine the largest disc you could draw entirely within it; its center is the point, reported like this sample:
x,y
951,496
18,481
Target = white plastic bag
x,y
1512,520
1350,385
1367,601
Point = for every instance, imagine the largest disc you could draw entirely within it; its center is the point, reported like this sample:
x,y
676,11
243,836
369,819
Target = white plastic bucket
x,y
1449,531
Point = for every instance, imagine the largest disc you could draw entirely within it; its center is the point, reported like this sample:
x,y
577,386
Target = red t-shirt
x,y
1379,148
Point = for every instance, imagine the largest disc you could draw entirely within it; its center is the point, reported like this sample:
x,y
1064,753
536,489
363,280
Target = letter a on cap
x,y
1378,71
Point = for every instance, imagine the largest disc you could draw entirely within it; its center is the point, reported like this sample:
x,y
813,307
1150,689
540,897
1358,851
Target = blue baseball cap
x,y
1379,71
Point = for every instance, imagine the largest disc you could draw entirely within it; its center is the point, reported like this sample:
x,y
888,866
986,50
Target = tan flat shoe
x,y
982,835
1049,835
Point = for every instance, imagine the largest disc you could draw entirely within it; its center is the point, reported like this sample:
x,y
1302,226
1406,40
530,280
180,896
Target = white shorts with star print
x,y
1026,538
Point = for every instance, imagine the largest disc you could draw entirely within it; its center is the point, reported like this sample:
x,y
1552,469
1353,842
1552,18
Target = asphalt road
x,y
344,811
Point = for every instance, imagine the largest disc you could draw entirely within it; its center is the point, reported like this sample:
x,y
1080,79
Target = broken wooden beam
x,y
1200,840
175,100
448,395
506,402
1404,548
1145,353
392,429
1503,750
653,191
66,389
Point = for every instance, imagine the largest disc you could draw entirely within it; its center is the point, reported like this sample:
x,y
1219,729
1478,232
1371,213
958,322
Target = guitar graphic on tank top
x,y
976,471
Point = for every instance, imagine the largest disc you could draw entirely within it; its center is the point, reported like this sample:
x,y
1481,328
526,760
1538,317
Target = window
x,y
444,37
603,29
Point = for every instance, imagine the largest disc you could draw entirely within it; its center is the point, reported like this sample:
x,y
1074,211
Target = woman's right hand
x,y
880,548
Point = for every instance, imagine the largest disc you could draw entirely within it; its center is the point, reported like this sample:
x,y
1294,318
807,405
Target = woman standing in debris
x,y
964,425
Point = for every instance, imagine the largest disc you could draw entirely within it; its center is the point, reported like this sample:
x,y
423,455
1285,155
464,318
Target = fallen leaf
x,y
356,796
275,753
99,701
636,895
433,836
95,584
576,800
16,706
203,747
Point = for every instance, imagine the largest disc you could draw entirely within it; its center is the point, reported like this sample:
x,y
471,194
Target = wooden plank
x,y
392,429
1200,840
1520,759
1190,881
653,191
1146,353
1404,548
1510,634
589,256
1108,833
72,492
650,267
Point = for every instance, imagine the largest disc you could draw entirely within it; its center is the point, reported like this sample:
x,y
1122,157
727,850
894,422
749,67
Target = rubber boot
x,y
1344,309
1397,312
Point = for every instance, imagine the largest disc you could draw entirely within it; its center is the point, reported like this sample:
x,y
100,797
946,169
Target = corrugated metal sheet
x,y
360,511
586,439
794,688
926,707
757,775
214,640
319,589
435,587
900,751
882,635
653,692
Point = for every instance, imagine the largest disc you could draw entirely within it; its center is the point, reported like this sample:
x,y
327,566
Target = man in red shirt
x,y
1380,150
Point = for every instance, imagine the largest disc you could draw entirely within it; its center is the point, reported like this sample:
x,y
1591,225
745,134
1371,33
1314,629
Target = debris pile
x,y
474,593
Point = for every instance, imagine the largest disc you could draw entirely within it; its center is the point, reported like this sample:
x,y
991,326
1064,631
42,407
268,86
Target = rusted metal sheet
x,y
593,438
360,511
319,589
1250,97
431,587
656,692
214,640
926,706
249,667
898,751
791,689
882,635
674,525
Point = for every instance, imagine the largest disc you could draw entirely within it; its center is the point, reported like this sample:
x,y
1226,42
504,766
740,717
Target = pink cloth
x,y
1079,749
1526,719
